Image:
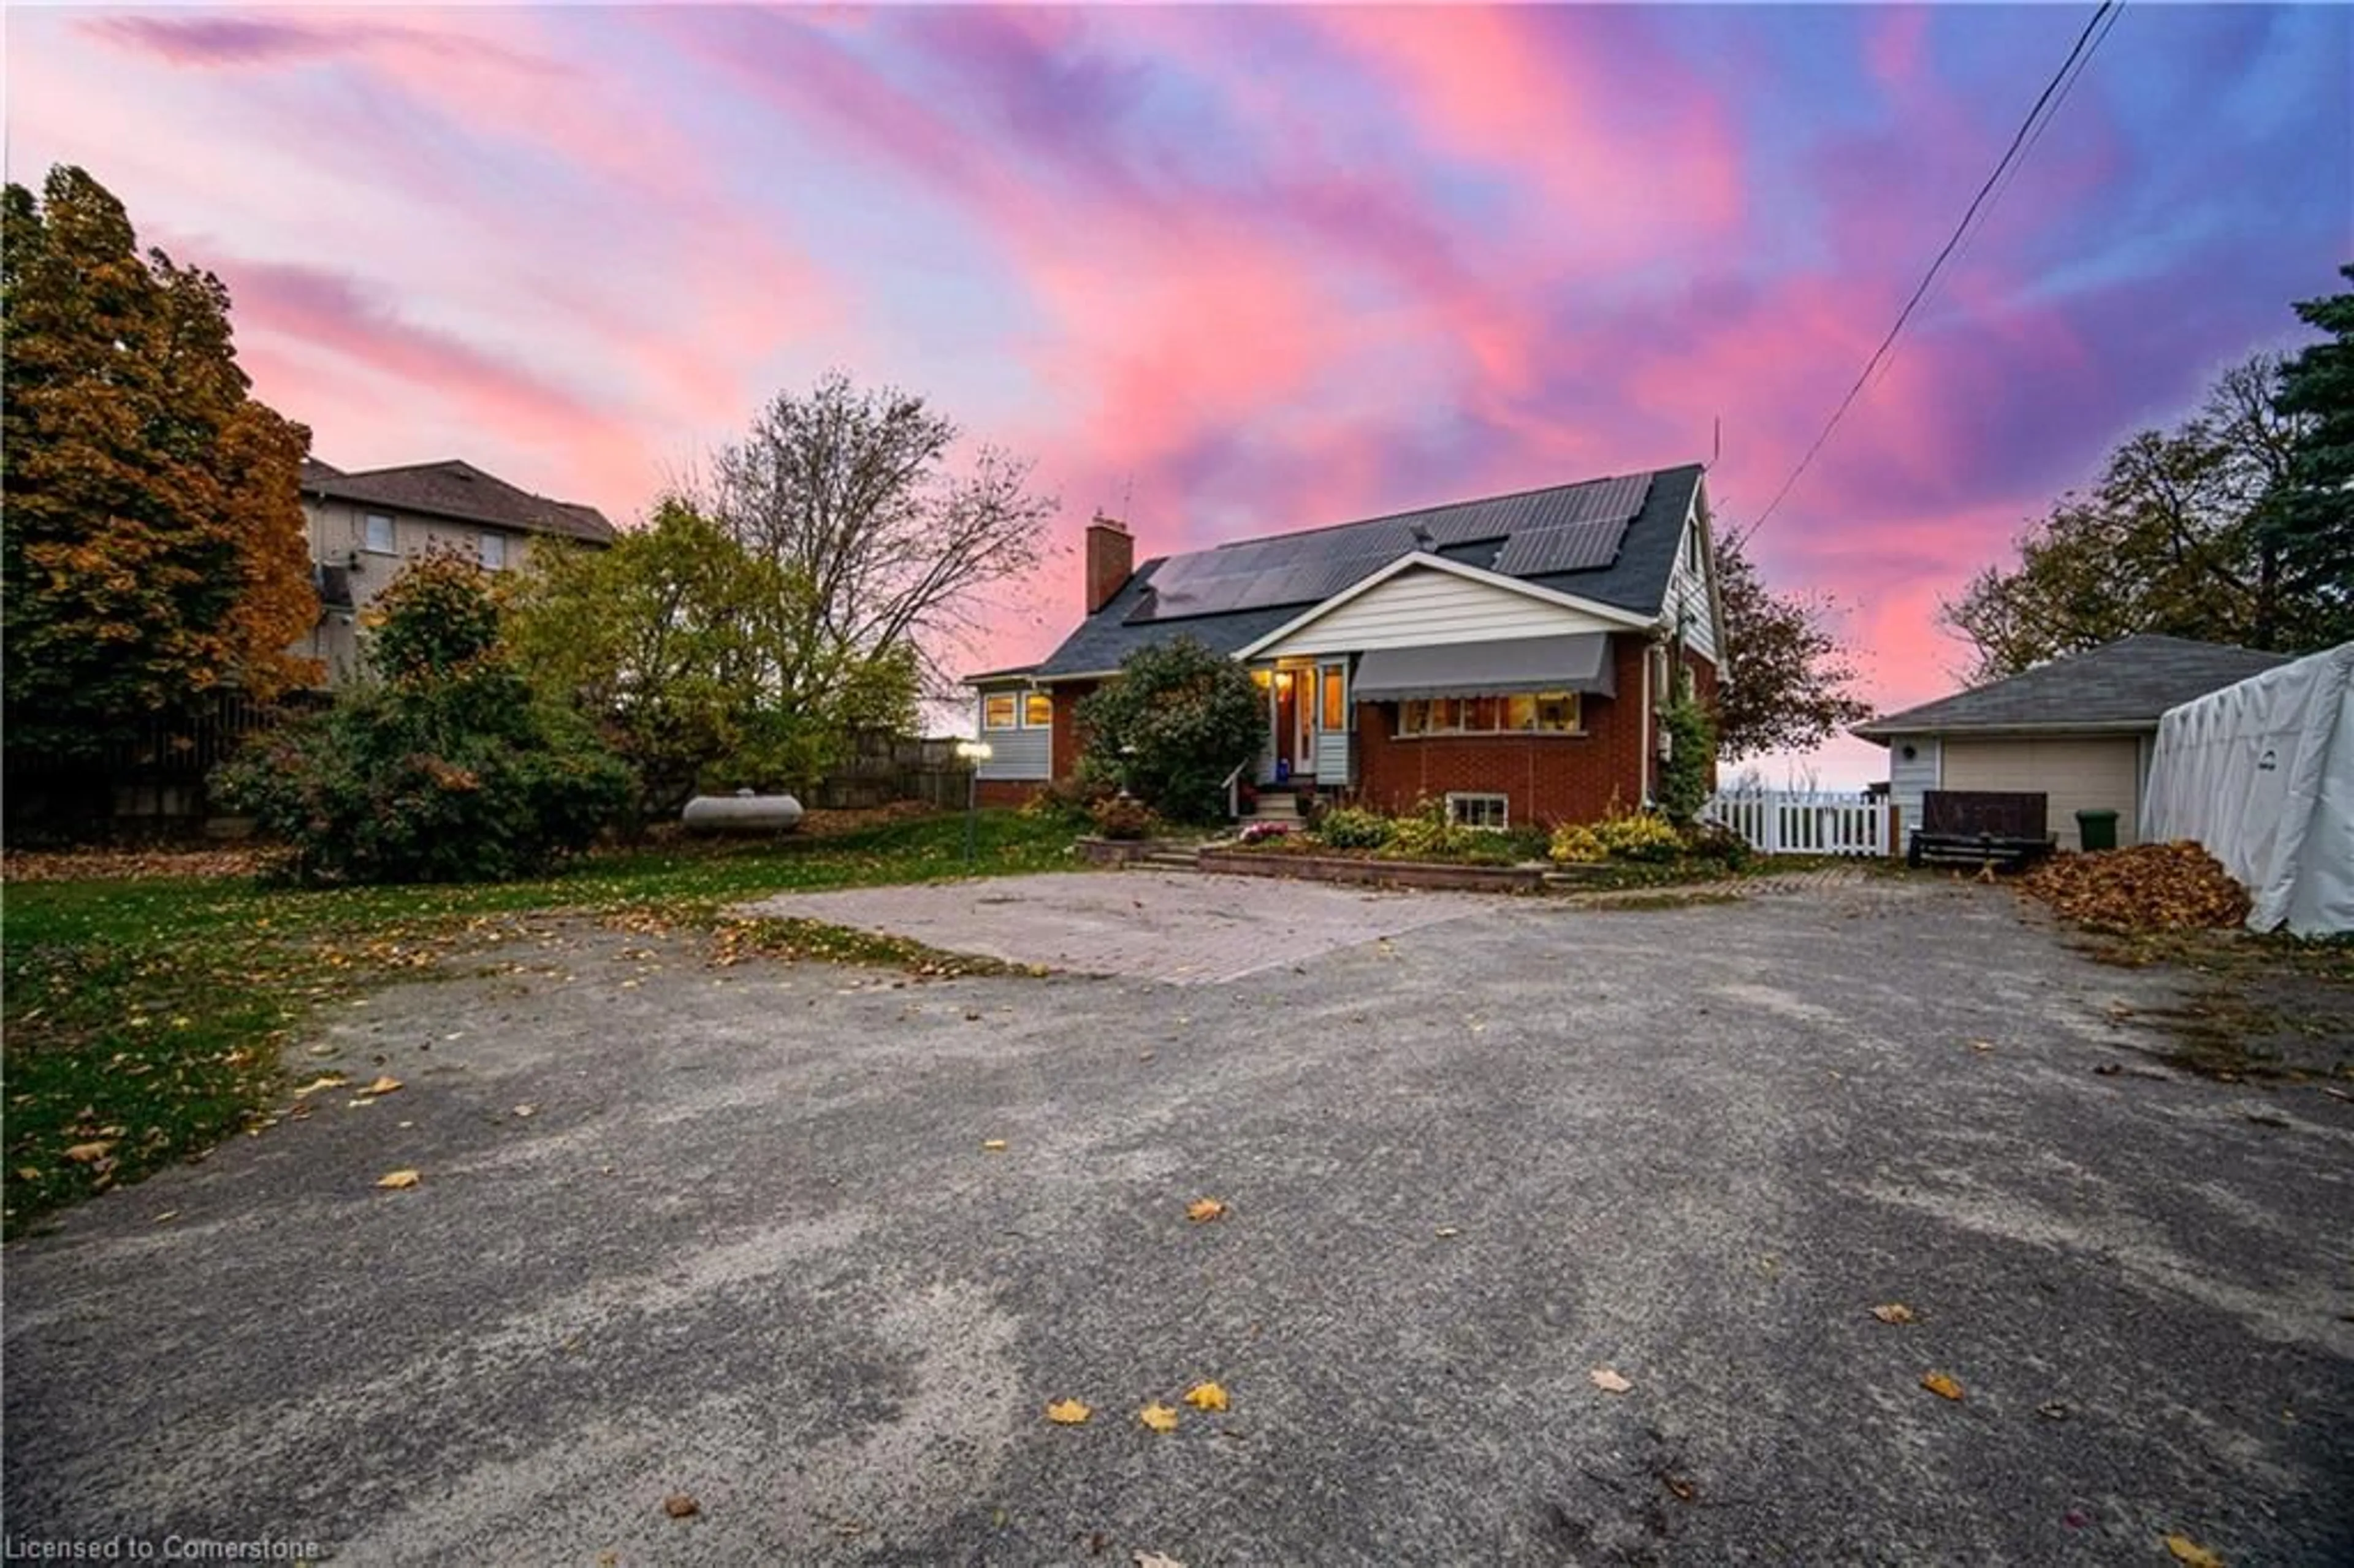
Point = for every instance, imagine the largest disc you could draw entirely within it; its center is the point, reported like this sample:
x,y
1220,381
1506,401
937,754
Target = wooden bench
x,y
1981,827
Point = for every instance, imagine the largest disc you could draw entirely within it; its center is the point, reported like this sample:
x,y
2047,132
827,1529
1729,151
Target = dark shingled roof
x,y
1635,578
2125,685
458,489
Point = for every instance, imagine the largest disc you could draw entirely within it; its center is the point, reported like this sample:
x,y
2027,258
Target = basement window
x,y
1490,811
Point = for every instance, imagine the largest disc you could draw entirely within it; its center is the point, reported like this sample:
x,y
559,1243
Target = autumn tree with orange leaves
x,y
152,545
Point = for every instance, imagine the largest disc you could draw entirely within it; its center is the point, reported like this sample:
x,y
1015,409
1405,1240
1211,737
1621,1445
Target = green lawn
x,y
143,1018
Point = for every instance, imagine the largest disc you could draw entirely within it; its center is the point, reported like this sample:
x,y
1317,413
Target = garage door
x,y
2077,775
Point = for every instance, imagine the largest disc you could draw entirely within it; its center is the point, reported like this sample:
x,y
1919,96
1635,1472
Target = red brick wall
x,y
1069,738
1548,779
1008,791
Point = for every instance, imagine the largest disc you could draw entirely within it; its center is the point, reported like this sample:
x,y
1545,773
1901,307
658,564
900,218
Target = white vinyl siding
x,y
1018,726
2084,774
1416,609
1910,777
1688,601
1020,754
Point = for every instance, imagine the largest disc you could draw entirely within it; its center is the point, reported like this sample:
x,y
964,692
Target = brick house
x,y
365,525
1509,656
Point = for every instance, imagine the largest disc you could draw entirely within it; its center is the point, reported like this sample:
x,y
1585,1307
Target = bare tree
x,y
888,544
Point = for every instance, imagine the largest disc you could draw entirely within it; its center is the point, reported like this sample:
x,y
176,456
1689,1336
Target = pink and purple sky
x,y
1237,271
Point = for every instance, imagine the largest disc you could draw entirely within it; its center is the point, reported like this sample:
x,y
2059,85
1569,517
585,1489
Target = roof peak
x,y
1454,504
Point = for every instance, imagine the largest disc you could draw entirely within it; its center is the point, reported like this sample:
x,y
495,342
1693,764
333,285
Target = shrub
x,y
1353,827
1574,843
1715,840
1425,833
1692,752
1123,817
447,769
1070,801
1173,727
1524,843
1640,835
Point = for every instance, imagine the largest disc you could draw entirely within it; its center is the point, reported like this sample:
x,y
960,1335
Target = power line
x,y
2030,129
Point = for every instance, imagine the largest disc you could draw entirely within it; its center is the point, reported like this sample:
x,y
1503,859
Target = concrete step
x,y
1172,860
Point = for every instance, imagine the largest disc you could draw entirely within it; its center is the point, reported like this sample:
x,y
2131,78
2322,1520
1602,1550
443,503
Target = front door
x,y
1303,723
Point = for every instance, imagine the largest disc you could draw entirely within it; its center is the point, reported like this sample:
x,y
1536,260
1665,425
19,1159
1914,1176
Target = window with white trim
x,y
998,711
493,552
375,533
1037,711
1491,811
1531,713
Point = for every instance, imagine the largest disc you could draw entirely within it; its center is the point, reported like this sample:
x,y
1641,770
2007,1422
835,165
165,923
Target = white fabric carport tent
x,y
2261,773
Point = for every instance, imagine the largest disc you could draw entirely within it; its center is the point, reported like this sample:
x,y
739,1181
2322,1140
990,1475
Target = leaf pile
x,y
2149,887
125,864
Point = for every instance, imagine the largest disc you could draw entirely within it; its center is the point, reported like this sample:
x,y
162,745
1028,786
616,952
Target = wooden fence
x,y
883,768
1806,821
153,780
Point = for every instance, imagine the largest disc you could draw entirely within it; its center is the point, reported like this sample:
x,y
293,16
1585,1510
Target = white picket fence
x,y
1802,821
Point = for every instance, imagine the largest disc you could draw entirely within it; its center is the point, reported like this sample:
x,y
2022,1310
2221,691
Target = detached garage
x,y
2079,730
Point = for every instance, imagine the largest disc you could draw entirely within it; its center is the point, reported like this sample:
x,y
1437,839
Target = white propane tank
x,y
742,812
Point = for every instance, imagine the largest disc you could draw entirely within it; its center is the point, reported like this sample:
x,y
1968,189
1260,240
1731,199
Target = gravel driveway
x,y
750,1246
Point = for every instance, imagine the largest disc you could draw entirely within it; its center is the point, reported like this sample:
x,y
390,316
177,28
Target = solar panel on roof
x,y
1576,527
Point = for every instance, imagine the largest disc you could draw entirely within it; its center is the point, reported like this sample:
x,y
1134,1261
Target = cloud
x,y
1253,269
230,41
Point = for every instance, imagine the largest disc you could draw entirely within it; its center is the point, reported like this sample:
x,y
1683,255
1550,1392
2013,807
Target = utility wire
x,y
2029,130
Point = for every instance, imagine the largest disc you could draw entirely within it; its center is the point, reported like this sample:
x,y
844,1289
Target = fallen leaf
x,y
27,1173
1894,1312
87,1153
993,1145
398,1178
2052,1410
2189,1551
1156,1560
1608,1381
328,1081
526,1110
1445,1232
1941,1386
1204,1209
1067,1413
166,1214
1206,1396
1683,1489
1158,1416
383,1086
678,1505
1981,1045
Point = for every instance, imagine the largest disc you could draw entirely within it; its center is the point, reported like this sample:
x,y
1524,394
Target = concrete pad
x,y
1178,926
817,1245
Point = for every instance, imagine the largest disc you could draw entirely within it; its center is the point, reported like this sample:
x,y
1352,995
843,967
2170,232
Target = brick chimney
x,y
1111,556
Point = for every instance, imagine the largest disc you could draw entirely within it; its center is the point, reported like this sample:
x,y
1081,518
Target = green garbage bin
x,y
2098,830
